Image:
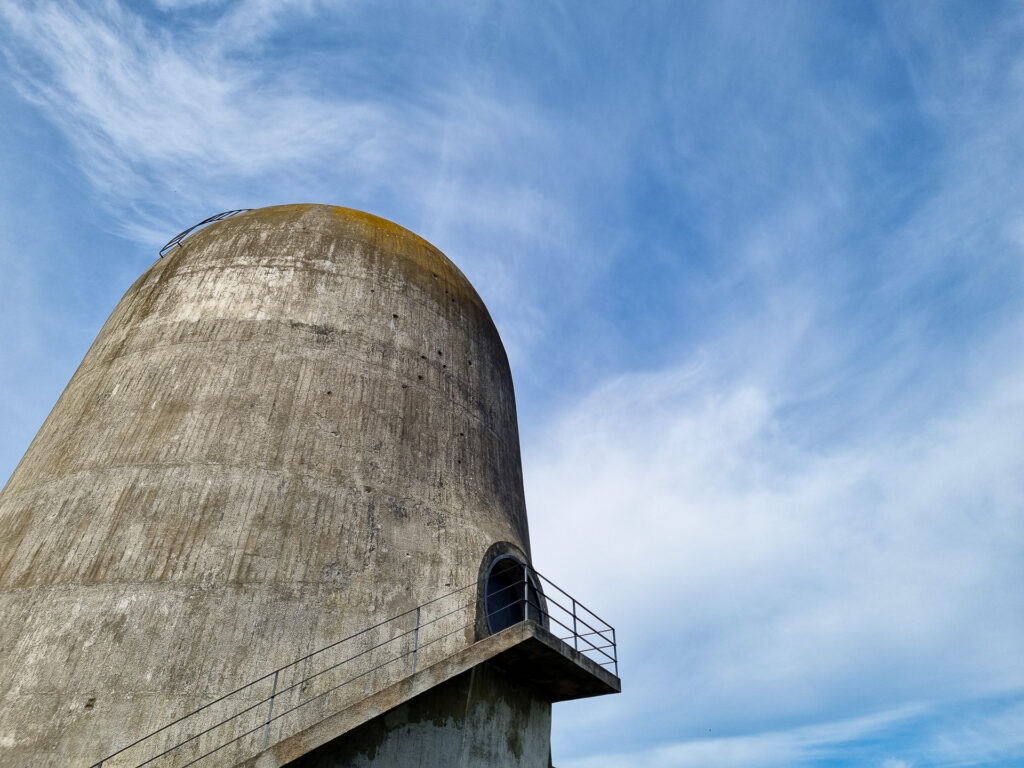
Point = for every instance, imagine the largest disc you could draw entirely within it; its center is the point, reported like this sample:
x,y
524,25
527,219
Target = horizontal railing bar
x,y
565,626
318,696
568,612
583,634
580,619
592,645
281,669
598,632
382,664
578,603
368,650
527,601
282,691
375,626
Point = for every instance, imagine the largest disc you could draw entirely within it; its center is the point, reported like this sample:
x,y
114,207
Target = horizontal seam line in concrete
x,y
368,362
196,342
163,465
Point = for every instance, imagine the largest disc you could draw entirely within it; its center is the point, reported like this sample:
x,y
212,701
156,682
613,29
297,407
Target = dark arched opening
x,y
511,594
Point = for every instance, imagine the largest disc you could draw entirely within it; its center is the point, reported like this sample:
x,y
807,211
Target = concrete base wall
x,y
479,719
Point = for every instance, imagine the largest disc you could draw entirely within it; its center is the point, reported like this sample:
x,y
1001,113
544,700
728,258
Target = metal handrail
x,y
564,626
177,239
577,602
533,582
289,665
581,621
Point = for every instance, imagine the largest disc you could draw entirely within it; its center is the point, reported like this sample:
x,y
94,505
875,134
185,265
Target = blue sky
x,y
759,268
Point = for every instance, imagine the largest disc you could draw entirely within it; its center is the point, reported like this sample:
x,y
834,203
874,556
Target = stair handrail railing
x,y
539,604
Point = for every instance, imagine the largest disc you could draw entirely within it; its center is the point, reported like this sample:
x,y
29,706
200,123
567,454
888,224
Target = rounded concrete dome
x,y
297,423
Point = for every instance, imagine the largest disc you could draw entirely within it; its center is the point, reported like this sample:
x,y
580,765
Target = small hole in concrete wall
x,y
462,434
91,702
328,391
423,357
470,362
395,316
444,365
405,386
419,376
440,353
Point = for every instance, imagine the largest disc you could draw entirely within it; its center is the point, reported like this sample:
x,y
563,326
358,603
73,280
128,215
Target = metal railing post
x,y
270,711
543,589
526,592
615,650
575,634
416,640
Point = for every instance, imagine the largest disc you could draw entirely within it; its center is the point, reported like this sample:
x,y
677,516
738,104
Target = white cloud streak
x,y
773,749
744,567
148,110
171,124
808,519
773,561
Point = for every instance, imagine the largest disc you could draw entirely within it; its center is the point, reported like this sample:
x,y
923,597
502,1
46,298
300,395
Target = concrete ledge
x,y
553,668
533,654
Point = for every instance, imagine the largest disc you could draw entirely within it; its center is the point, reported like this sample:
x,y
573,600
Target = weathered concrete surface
x,y
544,670
298,423
481,719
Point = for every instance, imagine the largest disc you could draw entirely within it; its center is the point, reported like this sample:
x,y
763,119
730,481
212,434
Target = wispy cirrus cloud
x,y
799,746
759,270
759,582
150,111
816,515
171,123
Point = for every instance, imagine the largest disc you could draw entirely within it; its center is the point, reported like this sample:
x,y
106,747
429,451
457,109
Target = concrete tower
x,y
297,425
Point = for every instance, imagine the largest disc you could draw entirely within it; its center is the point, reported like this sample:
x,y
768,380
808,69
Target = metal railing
x,y
242,722
178,238
597,643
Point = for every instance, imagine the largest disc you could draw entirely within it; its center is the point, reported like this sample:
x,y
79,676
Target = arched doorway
x,y
511,594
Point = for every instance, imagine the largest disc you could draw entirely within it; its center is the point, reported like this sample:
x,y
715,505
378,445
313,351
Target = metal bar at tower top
x,y
178,238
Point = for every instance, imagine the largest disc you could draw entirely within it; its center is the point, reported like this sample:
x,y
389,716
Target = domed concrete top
x,y
298,423
405,250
